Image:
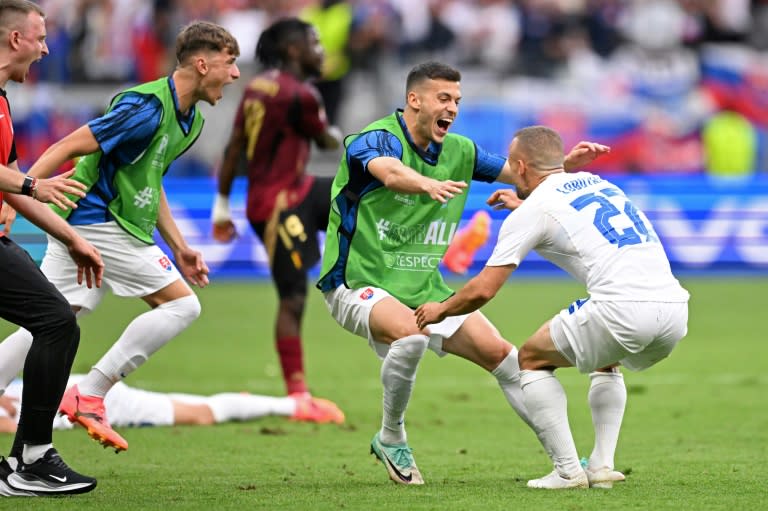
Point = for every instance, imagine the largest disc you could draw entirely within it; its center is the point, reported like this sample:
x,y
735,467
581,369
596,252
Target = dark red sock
x,y
292,363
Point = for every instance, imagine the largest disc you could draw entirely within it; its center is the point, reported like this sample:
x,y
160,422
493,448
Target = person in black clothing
x,y
26,296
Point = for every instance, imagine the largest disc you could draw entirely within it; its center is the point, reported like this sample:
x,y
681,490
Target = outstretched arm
x,y
475,293
400,178
582,154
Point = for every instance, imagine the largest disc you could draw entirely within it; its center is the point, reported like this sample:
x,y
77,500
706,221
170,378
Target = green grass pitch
x,y
695,433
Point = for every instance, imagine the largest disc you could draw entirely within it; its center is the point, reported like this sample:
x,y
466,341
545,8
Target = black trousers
x,y
29,300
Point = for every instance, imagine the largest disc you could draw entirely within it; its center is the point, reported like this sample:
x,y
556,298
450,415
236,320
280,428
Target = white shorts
x,y
131,268
351,308
592,335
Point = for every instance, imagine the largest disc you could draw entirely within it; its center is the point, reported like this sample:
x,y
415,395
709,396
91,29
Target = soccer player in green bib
x,y
397,200
125,154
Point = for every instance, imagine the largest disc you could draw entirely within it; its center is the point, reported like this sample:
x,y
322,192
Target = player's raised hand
x,y
192,266
88,261
53,190
584,153
429,313
504,199
443,191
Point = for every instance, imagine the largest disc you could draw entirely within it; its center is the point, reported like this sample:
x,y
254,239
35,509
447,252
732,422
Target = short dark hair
x,y
204,35
11,11
431,71
542,147
272,48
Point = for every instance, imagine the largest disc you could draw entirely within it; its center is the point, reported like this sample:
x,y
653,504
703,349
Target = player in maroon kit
x,y
279,116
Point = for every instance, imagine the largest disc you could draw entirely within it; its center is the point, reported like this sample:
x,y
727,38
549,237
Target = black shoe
x,y
6,490
50,476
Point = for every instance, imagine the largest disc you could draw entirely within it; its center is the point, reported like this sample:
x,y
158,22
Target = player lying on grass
x,y
131,407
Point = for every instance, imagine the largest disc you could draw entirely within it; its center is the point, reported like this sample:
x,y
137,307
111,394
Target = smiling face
x,y
28,42
435,105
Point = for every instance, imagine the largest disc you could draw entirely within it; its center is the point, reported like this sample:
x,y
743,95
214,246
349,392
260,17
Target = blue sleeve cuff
x,y
488,165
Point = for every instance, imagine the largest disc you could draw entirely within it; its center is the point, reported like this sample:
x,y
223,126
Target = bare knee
x,y
531,359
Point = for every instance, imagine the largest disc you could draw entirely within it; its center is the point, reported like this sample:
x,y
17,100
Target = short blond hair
x,y
542,147
204,35
12,12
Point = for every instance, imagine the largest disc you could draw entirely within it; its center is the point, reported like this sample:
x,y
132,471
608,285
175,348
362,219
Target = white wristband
x,y
220,212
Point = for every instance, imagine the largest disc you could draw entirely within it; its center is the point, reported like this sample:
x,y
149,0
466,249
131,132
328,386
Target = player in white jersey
x,y
131,407
634,316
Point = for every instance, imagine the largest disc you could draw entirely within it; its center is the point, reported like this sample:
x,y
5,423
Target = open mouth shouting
x,y
442,126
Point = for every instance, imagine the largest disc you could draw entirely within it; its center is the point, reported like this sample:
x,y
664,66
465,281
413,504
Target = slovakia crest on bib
x,y
367,294
165,263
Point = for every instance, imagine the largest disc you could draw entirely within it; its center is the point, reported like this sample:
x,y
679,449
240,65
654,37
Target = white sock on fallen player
x,y
232,406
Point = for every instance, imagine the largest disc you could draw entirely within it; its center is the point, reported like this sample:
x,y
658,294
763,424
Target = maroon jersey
x,y
279,115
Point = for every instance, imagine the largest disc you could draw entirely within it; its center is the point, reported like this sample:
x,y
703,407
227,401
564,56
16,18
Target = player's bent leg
x,y
539,351
546,402
393,323
146,334
478,341
607,400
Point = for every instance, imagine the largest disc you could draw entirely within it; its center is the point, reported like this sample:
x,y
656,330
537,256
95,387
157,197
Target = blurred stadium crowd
x,y
675,86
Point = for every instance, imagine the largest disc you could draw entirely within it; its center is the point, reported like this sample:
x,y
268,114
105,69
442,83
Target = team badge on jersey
x,y
367,294
165,263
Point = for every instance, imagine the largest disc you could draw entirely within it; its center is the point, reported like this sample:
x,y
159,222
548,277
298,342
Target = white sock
x,y
146,334
607,400
398,374
231,406
32,453
548,409
13,353
508,375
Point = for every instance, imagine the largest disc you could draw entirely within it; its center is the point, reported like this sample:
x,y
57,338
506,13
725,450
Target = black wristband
x,y
26,186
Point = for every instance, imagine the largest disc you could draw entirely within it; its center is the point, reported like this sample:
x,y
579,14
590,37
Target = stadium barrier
x,y
706,224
